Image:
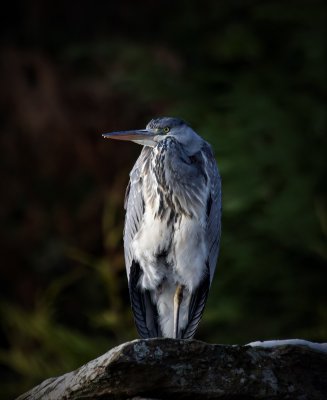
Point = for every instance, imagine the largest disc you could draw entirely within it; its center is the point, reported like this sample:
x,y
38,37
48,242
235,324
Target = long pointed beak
x,y
128,135
141,136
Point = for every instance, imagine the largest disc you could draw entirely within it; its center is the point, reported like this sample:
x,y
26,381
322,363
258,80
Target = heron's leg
x,y
178,297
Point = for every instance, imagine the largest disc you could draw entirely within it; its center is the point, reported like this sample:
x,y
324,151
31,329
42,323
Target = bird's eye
x,y
166,129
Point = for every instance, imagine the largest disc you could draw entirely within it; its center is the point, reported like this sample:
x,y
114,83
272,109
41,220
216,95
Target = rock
x,y
190,369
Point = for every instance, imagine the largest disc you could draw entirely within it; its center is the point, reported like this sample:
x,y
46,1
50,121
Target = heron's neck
x,y
191,144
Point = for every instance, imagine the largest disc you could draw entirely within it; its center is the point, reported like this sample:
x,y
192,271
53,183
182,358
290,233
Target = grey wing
x,y
145,312
214,208
134,207
199,297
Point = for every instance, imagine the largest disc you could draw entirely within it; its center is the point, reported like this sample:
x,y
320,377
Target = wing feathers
x,y
145,312
214,216
197,303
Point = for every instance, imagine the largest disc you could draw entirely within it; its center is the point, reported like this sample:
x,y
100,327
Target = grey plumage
x,y
172,227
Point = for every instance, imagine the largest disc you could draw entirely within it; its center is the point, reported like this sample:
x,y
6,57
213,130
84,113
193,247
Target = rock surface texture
x,y
189,369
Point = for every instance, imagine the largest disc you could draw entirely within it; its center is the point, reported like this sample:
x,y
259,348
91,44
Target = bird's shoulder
x,y
207,152
210,163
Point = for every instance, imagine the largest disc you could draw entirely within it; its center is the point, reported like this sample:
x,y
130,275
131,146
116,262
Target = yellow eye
x,y
166,129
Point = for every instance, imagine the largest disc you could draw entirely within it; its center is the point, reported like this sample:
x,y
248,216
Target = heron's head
x,y
159,129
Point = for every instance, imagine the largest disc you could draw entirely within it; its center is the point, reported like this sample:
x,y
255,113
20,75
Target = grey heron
x,y
172,227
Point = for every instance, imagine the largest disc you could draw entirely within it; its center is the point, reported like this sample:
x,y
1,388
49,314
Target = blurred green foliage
x,y
251,78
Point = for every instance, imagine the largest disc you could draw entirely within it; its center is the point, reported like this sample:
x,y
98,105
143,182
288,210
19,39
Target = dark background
x,y
249,76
